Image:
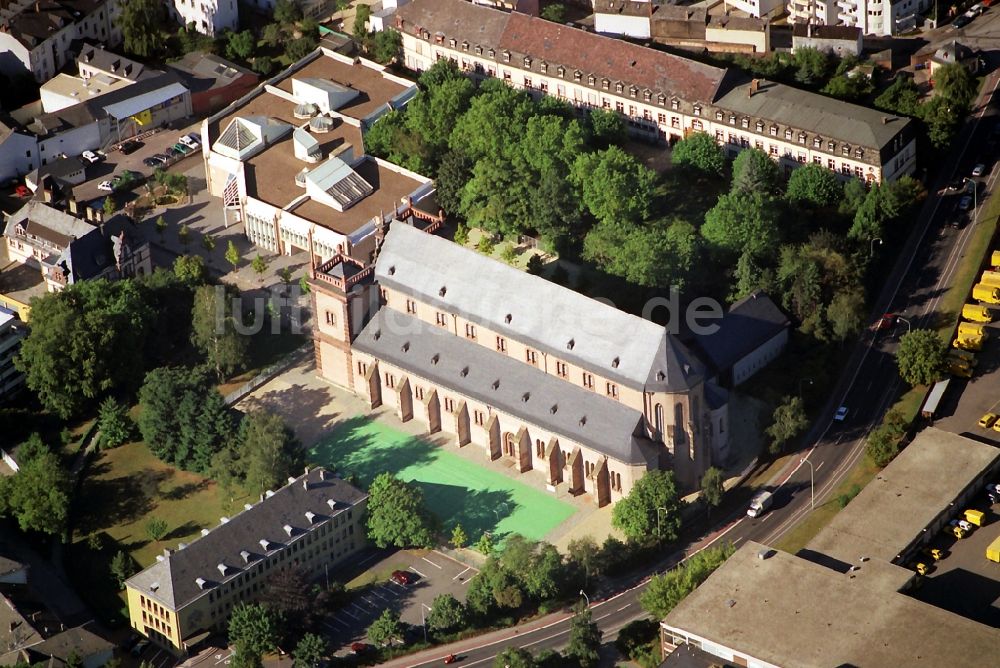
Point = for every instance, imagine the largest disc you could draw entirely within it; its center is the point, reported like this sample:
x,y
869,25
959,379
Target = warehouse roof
x,y
788,611
906,497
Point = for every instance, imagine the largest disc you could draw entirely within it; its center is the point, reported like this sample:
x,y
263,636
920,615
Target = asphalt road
x,y
868,386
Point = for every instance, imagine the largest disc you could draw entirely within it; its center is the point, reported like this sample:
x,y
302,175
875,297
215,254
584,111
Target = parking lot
x,y
117,162
433,573
965,581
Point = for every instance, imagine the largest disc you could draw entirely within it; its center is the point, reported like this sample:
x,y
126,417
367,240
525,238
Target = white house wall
x,y
628,26
760,358
18,156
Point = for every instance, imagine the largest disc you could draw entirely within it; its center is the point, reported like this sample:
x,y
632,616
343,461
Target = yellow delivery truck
x,y
995,258
970,329
993,551
977,313
986,293
968,343
991,278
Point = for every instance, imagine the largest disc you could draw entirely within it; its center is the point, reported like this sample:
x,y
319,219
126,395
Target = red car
x,y
22,191
401,577
886,322
358,648
451,658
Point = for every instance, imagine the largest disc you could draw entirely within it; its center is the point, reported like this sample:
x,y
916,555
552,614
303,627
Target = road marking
x,y
623,607
462,573
347,612
367,559
820,465
375,593
222,658
431,562
417,572
767,516
358,607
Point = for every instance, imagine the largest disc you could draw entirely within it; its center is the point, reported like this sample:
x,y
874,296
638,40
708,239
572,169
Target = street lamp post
x,y
658,532
871,248
803,380
812,481
899,317
584,594
423,618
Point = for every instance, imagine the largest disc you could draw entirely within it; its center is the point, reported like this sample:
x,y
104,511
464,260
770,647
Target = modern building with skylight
x,y
289,159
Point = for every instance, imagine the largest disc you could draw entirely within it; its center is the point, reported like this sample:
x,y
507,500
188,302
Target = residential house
x,y
757,8
289,160
661,95
35,35
209,17
64,649
872,17
312,525
69,249
514,366
12,332
955,52
682,26
18,149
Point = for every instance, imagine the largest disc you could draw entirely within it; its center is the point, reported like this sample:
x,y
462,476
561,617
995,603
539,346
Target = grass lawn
x,y
123,489
859,476
456,490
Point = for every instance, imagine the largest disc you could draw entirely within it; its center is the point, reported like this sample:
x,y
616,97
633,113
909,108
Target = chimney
x,y
200,582
885,120
47,193
754,87
167,552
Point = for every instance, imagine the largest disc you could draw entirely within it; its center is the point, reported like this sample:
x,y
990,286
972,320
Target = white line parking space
x,y
431,563
417,572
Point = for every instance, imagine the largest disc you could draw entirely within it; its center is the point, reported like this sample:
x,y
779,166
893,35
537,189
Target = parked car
x,y
987,420
190,142
956,184
184,150
140,647
173,152
90,157
401,577
21,191
105,185
195,136
359,648
971,186
159,157
965,203
979,170
961,21
130,147
884,323
841,414
151,162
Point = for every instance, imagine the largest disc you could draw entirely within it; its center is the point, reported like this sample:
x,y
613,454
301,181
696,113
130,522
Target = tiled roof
x,y
174,580
456,19
608,57
570,326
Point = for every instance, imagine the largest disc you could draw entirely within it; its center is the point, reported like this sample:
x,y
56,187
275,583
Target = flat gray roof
x,y
906,497
788,611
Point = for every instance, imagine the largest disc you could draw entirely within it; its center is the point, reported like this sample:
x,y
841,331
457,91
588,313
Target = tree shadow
x,y
477,510
185,490
185,529
301,406
108,502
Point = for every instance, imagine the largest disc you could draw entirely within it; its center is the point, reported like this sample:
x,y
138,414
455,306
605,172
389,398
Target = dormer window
x,y
647,95
561,71
633,91
859,153
846,150
544,67
465,46
452,43
718,115
774,130
760,126
675,104
479,50
745,123
788,133
506,56
605,84
591,80
615,362
492,53
570,344
817,142
831,146
577,76
697,110
802,138
661,99
619,88
507,318
527,61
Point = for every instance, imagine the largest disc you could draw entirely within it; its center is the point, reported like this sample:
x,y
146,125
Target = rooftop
x,y
570,326
603,56
205,71
48,223
457,19
905,498
374,89
789,611
817,114
749,323
851,33
507,384
117,66
40,20
80,89
240,542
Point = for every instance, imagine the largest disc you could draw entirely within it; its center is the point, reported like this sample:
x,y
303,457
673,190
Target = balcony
x,y
849,6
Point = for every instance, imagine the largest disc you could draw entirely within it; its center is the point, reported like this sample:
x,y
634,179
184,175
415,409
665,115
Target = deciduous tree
x,y
269,451
921,357
614,186
447,614
666,591
190,269
584,647
309,651
397,515
699,152
141,22
743,223
37,496
213,330
814,186
514,657
651,508
789,420
253,629
385,629
755,172
712,487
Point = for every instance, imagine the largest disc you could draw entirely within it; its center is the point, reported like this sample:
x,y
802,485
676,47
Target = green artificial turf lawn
x,y
456,490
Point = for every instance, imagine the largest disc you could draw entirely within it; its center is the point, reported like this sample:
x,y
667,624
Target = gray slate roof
x,y
49,223
175,576
523,390
824,116
623,347
93,253
750,322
